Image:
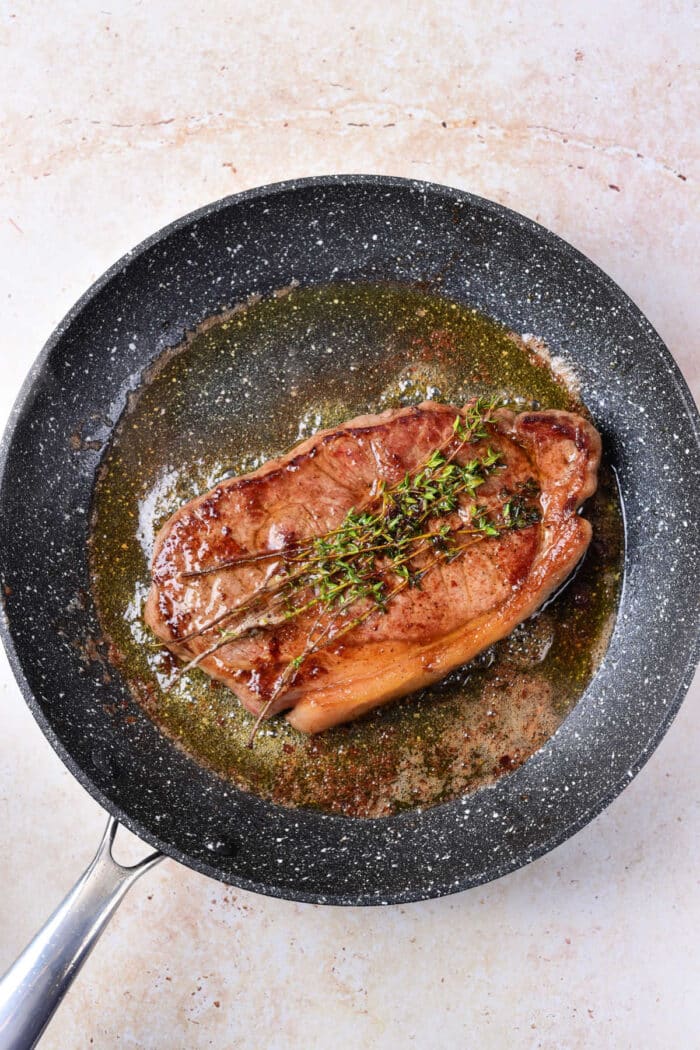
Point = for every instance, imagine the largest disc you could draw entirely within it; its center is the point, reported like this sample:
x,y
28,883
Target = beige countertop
x,y
117,119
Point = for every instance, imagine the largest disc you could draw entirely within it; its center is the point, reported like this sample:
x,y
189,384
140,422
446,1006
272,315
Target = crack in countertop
x,y
611,149
368,118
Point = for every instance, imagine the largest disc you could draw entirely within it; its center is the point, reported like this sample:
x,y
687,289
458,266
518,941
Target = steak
x,y
222,562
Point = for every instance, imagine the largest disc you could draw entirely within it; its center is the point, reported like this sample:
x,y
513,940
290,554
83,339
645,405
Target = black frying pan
x,y
315,231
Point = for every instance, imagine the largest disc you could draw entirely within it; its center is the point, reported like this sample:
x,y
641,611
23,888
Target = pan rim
x,y
598,803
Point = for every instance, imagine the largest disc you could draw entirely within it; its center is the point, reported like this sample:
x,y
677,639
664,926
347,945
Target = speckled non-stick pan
x,y
316,231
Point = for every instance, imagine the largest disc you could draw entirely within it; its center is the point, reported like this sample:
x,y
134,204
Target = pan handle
x,y
34,986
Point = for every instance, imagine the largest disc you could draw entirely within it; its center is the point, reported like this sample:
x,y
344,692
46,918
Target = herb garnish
x,y
355,570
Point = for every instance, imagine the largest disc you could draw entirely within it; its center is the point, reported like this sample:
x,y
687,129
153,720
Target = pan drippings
x,y
247,387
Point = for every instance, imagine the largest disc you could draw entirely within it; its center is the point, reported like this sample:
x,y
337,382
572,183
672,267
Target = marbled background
x,y
120,117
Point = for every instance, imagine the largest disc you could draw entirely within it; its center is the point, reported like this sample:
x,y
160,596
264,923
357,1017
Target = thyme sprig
x,y
380,549
344,563
468,427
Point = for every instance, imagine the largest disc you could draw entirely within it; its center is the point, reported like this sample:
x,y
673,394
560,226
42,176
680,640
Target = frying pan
x,y
315,231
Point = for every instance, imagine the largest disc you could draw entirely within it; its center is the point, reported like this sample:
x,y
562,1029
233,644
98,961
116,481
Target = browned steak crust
x,y
462,606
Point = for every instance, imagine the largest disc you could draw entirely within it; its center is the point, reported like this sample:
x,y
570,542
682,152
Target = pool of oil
x,y
247,386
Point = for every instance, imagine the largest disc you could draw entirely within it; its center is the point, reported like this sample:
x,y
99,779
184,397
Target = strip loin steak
x,y
461,607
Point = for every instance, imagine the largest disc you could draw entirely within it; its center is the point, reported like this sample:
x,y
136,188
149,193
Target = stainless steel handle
x,y
34,986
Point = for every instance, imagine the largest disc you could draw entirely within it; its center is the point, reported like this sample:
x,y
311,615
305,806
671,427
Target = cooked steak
x,y
245,584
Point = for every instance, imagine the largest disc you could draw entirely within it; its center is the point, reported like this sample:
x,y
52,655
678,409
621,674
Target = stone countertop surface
x,y
117,120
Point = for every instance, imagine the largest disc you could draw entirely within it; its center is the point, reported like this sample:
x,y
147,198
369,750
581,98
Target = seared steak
x,y
218,550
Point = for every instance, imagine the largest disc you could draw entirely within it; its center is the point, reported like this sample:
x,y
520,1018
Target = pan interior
x,y
246,387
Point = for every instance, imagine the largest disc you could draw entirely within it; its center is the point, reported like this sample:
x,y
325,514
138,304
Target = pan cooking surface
x,y
247,388
320,232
